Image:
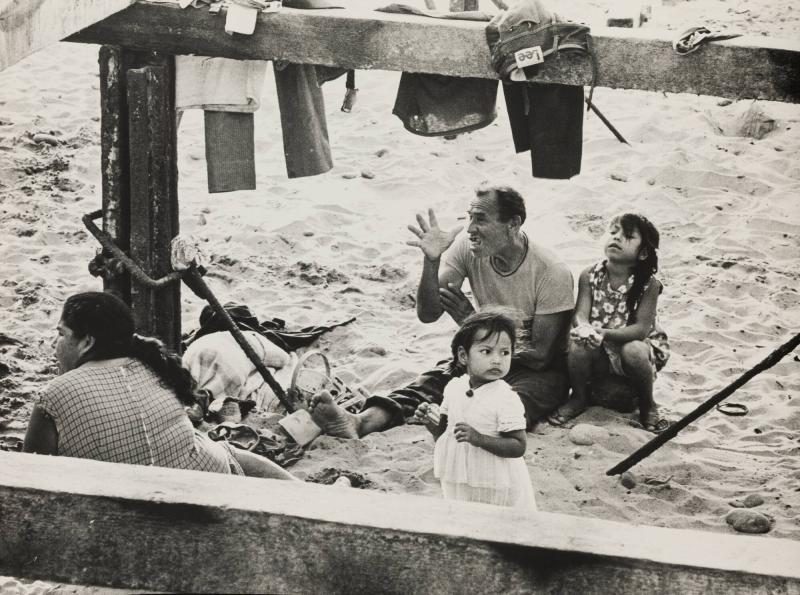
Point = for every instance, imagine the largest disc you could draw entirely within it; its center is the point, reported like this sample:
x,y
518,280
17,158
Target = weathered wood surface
x,y
114,171
744,67
114,155
154,195
161,529
29,25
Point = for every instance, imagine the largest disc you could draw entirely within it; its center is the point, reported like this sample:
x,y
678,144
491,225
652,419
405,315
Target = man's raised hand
x,y
430,239
455,303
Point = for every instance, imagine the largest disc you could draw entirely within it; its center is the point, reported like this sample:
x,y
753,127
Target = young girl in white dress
x,y
480,425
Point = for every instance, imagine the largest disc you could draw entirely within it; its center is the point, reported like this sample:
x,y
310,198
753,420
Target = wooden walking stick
x,y
195,282
605,121
656,443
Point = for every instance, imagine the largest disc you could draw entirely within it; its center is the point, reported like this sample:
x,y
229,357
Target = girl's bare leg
x,y
639,368
581,360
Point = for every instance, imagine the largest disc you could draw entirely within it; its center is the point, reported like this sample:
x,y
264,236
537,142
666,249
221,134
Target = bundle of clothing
x,y
546,119
225,376
229,92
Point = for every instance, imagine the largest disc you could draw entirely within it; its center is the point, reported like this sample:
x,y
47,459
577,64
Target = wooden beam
x,y
29,25
744,67
114,156
152,528
154,196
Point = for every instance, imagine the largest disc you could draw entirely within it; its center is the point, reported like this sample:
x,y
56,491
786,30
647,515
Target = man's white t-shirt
x,y
541,284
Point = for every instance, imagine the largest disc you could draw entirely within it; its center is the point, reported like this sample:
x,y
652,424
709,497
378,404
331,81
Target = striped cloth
x,y
119,411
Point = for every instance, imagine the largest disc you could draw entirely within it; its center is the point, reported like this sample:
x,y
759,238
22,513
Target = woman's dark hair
x,y
490,321
645,268
109,321
509,201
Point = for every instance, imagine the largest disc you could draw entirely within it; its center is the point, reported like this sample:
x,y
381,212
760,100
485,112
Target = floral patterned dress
x,y
610,310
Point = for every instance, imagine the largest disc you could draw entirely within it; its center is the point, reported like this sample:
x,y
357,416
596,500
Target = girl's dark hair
x,y
109,321
492,322
646,268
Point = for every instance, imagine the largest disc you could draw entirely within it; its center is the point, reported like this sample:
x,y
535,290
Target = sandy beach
x,y
324,249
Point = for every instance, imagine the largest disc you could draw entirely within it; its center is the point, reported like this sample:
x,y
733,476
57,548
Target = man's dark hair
x,y
509,201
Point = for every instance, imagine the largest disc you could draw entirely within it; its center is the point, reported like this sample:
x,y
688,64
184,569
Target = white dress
x,y
469,472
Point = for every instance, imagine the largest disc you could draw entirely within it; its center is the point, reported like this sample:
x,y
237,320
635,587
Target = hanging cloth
x,y
546,119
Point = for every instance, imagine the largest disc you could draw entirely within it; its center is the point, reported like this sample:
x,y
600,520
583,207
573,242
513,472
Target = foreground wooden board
x,y
160,529
745,67
29,25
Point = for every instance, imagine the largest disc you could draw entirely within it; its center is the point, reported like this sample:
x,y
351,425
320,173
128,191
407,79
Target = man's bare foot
x,y
571,409
333,420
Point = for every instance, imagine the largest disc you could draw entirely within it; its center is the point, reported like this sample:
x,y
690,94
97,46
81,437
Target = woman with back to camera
x,y
120,398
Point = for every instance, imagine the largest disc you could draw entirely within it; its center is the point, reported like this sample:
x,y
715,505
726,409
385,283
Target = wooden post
x,y
154,195
114,164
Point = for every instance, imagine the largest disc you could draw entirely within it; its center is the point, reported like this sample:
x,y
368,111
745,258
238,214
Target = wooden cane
x,y
656,443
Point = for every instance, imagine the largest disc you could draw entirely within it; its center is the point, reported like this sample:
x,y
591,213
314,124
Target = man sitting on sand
x,y
504,269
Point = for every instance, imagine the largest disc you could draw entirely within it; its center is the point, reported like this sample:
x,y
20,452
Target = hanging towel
x,y
228,91
435,105
218,84
547,120
305,130
230,154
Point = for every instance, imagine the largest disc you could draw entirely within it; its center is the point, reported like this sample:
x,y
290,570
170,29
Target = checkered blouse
x,y
118,410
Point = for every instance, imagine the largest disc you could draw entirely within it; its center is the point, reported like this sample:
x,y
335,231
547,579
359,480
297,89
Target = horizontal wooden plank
x,y
27,26
161,529
744,67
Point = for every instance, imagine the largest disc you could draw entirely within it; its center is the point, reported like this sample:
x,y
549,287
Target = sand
x,y
327,248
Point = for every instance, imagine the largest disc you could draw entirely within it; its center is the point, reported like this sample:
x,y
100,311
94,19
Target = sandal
x,y
660,426
558,420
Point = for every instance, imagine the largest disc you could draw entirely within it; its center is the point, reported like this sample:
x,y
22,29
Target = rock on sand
x,y
749,521
587,434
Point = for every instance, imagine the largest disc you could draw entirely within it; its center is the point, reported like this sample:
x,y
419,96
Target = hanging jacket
x,y
546,119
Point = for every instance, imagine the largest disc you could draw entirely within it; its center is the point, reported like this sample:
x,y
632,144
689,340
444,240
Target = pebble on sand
x,y
367,174
628,480
751,501
748,521
41,137
586,434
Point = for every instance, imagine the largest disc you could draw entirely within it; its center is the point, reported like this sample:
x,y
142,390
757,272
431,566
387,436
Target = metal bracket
x,y
122,260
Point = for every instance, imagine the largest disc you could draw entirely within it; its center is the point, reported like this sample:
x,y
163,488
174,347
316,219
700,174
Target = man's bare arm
x,y
547,331
433,242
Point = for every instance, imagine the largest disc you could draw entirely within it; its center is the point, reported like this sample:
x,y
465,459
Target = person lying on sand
x,y
616,330
222,370
480,426
120,398
505,268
